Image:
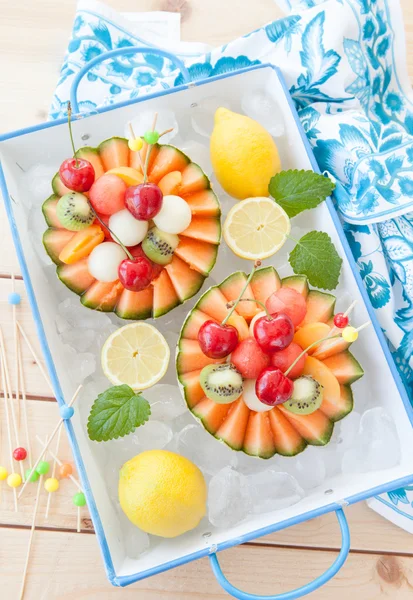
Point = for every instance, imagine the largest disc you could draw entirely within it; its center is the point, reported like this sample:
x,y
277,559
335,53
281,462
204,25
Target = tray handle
x,y
301,591
124,52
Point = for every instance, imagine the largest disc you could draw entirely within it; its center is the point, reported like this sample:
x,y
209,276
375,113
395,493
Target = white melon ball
x,y
255,319
104,261
129,230
251,399
175,215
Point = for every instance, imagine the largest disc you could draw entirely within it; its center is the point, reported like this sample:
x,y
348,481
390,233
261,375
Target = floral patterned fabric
x,y
347,75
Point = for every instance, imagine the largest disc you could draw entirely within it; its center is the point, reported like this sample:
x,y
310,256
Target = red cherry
x,y
249,359
77,174
340,320
216,340
273,387
284,358
144,201
135,275
19,454
274,333
137,252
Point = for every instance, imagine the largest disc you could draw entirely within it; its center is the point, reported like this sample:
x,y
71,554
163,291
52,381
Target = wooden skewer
x,y
36,359
10,397
6,411
32,530
59,462
24,403
15,333
133,136
155,118
50,494
46,446
78,524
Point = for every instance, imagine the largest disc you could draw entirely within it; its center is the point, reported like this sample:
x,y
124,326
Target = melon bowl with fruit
x,y
87,256
221,393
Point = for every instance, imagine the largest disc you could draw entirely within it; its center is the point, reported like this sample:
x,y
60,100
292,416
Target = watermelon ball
x,y
249,359
107,194
284,358
288,301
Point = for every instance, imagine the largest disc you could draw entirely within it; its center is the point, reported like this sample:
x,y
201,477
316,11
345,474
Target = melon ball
x,y
129,230
251,399
104,261
175,215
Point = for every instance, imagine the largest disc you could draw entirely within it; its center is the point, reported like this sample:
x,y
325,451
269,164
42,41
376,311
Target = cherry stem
x,y
230,304
234,306
304,352
69,122
129,255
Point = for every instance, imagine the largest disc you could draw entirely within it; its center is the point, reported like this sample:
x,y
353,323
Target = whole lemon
x,y
162,493
243,154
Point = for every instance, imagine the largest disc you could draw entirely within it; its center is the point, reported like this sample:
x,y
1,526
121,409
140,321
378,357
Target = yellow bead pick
x,y
3,473
349,334
136,144
14,480
51,484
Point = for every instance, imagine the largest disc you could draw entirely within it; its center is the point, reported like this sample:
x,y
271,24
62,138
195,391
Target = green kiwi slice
x,y
74,212
307,396
221,383
159,246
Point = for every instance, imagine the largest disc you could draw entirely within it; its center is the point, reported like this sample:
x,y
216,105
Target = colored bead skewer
x,y
135,144
35,357
49,498
60,463
24,402
10,396
335,329
14,299
8,425
32,530
66,411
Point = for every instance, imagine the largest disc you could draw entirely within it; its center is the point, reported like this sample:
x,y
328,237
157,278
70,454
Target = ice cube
x,y
144,120
271,490
259,105
136,542
252,464
204,450
79,339
153,435
166,402
309,468
80,365
199,154
376,445
37,185
203,112
228,500
81,317
347,431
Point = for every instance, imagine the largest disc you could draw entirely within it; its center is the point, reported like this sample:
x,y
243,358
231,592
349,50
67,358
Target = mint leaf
x,y
296,191
316,256
116,413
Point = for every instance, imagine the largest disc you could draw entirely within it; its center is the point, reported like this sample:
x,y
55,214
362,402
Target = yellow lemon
x,y
243,154
162,493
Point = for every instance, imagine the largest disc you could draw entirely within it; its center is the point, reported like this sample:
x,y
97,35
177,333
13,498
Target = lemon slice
x,y
136,354
256,228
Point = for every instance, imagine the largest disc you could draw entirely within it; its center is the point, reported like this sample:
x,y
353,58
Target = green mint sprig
x,y
296,191
116,413
316,257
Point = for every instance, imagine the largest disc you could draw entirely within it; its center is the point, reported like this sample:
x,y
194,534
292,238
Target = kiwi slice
x,y
159,246
221,383
74,212
307,396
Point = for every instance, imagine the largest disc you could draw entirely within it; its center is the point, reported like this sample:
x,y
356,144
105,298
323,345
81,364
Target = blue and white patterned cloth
x,y
347,75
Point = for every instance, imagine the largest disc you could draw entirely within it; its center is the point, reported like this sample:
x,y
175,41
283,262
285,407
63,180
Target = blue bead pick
x,y
14,298
66,412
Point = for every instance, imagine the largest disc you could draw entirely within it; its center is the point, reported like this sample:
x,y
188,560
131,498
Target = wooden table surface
x,y
65,564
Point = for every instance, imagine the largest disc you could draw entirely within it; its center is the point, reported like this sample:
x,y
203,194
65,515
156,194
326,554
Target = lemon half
x,y
136,354
256,228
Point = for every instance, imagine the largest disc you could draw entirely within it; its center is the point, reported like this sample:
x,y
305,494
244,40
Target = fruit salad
x,y
267,381
133,226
